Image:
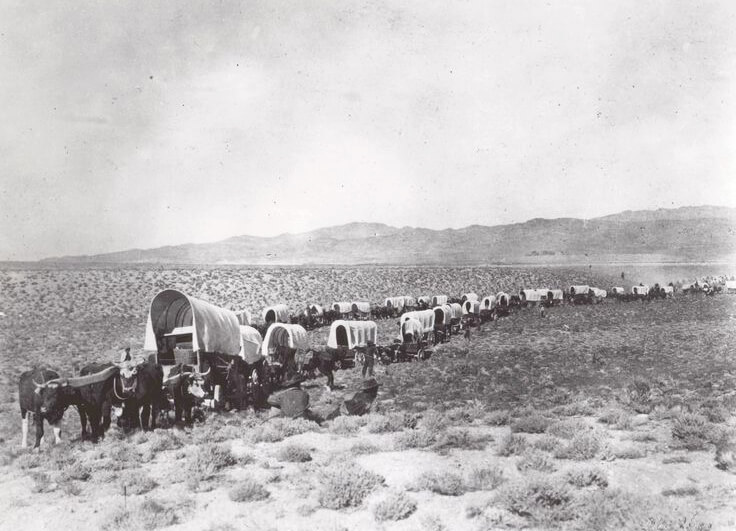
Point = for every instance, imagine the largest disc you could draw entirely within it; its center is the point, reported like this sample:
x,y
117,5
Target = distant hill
x,y
688,233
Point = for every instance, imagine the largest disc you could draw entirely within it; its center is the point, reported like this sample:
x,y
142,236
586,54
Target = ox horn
x,y
173,378
38,385
203,374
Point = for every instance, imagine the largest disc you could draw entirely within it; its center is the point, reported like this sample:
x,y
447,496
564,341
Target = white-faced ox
x,y
185,385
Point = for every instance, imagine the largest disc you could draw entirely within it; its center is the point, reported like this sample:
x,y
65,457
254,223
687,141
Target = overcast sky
x,y
140,124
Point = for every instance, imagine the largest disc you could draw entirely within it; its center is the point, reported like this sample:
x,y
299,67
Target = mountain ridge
x,y
707,232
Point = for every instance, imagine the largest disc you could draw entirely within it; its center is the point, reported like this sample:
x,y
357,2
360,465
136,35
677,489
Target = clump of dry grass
x,y
364,447
149,514
605,510
164,440
278,429
419,438
445,483
547,443
248,490
346,485
511,444
484,478
137,483
567,428
395,506
581,447
579,408
462,439
691,431
674,459
344,425
535,460
496,418
294,453
681,491
616,418
587,477
395,421
534,423
544,500
433,421
630,452
76,471
209,460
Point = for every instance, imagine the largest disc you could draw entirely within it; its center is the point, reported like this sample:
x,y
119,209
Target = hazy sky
x,y
140,124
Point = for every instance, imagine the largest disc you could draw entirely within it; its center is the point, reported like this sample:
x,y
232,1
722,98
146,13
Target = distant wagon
x,y
244,317
667,291
597,295
442,316
532,296
488,308
425,318
344,309
503,303
471,307
618,291
579,294
438,300
347,336
360,310
280,346
278,313
641,290
555,297
424,301
185,330
469,297
730,286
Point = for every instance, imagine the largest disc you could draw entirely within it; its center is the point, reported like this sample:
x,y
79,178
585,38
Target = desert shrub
x,y
137,483
432,522
533,423
391,422
542,499
344,425
419,438
209,460
725,451
640,395
346,485
579,408
459,415
124,455
248,490
536,460
681,491
150,514
511,444
433,421
691,431
163,440
587,477
669,522
630,452
496,418
280,428
484,478
567,428
582,446
395,506
460,438
364,447
547,443
294,453
42,482
76,471
715,412
445,483
28,461
643,436
675,459
605,510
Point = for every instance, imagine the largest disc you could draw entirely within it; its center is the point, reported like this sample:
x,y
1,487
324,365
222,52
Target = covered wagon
x,y
580,294
425,317
469,297
344,309
278,313
244,317
471,307
438,300
347,336
488,308
360,309
555,297
730,286
642,290
598,294
503,303
424,301
202,337
280,346
532,296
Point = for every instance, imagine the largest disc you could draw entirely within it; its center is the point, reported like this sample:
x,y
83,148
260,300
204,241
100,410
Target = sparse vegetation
x,y
395,506
346,485
248,490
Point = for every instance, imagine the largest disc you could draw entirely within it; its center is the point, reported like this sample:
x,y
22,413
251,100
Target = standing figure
x,y
370,359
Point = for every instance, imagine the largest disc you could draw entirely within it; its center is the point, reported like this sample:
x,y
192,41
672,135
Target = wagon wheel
x,y
420,354
360,358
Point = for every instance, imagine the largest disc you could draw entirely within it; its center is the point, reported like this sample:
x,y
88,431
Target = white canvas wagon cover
x,y
502,299
286,335
730,285
469,297
488,303
278,313
600,293
413,327
442,315
395,302
579,290
439,300
640,290
555,295
471,307
351,333
361,306
426,317
316,309
532,295
244,316
457,310
342,307
426,299
213,329
251,344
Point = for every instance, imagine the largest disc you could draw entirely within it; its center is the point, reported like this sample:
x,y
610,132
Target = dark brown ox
x,y
31,404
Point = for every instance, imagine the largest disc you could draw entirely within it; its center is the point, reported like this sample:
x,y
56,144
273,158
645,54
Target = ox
x,y
31,402
185,386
